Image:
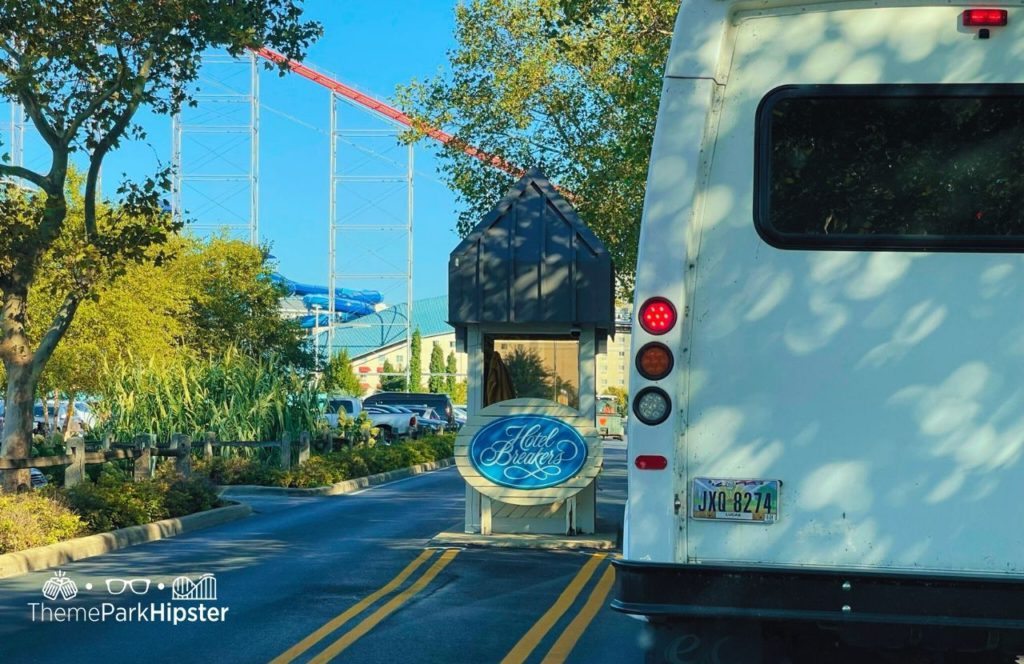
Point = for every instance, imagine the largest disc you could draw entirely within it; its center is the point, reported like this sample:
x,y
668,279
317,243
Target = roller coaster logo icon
x,y
202,590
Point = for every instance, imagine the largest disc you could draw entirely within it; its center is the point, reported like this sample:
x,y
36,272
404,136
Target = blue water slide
x,y
310,322
344,305
370,297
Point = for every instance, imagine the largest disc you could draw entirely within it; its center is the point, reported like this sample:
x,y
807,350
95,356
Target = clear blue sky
x,y
372,45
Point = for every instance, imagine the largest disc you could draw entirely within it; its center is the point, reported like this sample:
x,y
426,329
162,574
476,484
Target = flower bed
x,y
327,469
51,515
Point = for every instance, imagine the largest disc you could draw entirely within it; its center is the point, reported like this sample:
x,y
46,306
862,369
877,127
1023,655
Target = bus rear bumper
x,y
827,598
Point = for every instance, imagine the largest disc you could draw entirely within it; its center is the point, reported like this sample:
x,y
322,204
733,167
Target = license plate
x,y
755,501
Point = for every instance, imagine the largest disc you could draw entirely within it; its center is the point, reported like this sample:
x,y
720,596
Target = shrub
x,y
115,502
441,447
34,519
363,460
188,496
238,470
236,396
318,471
356,430
325,469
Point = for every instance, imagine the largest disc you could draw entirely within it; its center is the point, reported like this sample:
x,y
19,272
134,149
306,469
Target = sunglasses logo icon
x,y
118,586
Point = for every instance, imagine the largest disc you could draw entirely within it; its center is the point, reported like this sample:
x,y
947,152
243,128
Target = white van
x,y
827,423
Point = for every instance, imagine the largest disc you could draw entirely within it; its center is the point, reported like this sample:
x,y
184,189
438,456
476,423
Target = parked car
x,y
460,415
394,421
82,418
428,419
37,478
391,424
42,423
336,405
441,403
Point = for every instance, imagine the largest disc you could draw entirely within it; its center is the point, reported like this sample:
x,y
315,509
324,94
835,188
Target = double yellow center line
x,y
350,637
559,652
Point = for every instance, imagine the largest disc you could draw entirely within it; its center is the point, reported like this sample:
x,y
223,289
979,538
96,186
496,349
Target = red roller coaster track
x,y
384,109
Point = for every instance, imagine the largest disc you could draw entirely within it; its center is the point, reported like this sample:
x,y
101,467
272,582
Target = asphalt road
x,y
347,577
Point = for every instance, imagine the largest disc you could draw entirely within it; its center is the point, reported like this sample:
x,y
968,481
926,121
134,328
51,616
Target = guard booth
x,y
531,298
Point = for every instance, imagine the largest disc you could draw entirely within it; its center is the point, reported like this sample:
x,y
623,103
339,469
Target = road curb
x,y
340,488
53,555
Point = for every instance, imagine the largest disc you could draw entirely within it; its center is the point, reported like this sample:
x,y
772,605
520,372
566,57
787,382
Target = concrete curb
x,y
598,541
348,486
53,555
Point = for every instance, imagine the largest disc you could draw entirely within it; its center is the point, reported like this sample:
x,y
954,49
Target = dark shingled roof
x,y
531,260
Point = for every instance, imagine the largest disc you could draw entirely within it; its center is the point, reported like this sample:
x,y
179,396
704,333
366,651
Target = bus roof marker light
x,y
976,18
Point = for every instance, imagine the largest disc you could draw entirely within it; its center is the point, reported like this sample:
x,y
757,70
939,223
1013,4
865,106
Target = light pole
x,y
316,336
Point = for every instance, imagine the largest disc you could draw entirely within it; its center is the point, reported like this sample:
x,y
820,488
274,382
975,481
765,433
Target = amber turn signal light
x,y
654,361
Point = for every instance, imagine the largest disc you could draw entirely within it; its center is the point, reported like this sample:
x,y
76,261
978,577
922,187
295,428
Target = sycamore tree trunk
x,y
53,417
21,388
70,415
24,366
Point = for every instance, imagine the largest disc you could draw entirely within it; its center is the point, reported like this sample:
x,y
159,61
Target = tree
x,y
235,302
571,86
416,363
138,316
460,393
205,297
436,382
451,368
564,392
621,397
338,376
529,377
82,69
392,380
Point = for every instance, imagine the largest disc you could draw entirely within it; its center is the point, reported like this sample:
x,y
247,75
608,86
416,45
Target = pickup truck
x,y
391,425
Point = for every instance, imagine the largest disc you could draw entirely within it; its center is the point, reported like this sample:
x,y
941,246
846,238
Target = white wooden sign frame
x,y
560,492
579,507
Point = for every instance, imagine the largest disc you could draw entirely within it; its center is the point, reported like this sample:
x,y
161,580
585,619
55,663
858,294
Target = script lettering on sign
x,y
528,451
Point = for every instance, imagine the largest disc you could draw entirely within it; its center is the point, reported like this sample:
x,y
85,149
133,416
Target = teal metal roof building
x,y
374,332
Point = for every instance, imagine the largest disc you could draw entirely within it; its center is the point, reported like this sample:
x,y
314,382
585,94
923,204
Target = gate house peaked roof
x,y
531,260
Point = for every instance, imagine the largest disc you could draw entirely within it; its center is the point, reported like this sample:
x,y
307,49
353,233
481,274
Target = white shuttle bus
x,y
826,433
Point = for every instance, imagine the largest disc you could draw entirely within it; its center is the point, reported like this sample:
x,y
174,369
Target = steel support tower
x,y
397,121
215,150
14,137
370,221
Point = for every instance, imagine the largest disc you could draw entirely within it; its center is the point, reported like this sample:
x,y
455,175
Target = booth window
x,y
891,167
540,368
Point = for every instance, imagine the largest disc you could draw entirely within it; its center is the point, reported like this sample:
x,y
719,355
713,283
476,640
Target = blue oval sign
x,y
528,451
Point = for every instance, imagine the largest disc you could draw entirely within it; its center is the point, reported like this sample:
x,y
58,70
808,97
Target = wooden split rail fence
x,y
143,449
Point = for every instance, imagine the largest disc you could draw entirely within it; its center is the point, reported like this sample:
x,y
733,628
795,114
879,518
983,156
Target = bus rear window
x,y
891,167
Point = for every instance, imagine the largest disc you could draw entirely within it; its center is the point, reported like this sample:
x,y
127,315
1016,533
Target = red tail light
x,y
657,315
651,462
412,421
984,17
